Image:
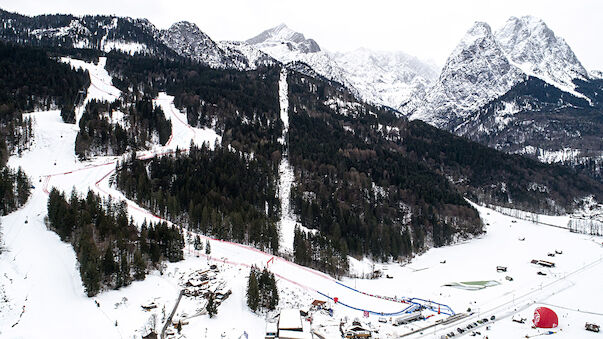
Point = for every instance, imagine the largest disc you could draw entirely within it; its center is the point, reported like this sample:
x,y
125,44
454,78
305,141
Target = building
x,y
357,331
271,330
290,325
318,304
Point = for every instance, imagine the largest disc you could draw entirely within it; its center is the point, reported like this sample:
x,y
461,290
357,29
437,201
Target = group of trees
x,y
218,192
490,176
262,293
358,187
32,80
110,250
142,123
14,189
319,252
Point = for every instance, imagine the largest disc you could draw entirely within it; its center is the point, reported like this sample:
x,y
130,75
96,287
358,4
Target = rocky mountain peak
x,y
186,39
476,72
531,45
285,36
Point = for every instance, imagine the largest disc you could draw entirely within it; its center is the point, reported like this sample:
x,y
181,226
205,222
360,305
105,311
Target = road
x,y
169,319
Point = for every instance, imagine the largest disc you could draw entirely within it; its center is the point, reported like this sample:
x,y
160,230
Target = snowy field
x,y
41,293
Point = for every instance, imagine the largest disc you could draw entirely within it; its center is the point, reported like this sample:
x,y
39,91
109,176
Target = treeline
x,y
114,128
14,189
241,106
358,187
110,250
218,192
17,135
262,293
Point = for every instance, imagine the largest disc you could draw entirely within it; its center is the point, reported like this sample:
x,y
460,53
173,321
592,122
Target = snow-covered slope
x,y
101,86
532,46
41,294
476,72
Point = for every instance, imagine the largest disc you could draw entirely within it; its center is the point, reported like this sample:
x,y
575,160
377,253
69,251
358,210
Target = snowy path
x,y
101,86
288,222
286,176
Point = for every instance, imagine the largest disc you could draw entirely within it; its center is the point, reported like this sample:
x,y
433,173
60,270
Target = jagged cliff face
x,y
531,45
190,42
476,72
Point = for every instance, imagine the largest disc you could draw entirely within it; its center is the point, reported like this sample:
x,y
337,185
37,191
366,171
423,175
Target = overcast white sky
x,y
428,29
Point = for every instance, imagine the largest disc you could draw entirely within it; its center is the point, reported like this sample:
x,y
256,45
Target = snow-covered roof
x,y
271,328
289,319
285,334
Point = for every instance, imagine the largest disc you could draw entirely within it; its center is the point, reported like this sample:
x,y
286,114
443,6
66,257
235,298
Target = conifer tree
x,y
211,308
253,291
139,266
109,265
198,245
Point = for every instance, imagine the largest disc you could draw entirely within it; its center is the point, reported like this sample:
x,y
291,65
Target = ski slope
x,y
44,297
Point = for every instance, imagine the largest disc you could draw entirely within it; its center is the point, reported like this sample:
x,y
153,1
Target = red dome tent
x,y
544,317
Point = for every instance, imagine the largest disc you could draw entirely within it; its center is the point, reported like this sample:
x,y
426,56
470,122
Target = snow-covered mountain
x,y
245,56
283,40
475,73
485,65
186,39
104,33
532,46
389,78
386,78
520,89
288,46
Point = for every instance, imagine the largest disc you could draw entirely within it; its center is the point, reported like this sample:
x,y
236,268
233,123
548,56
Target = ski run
x,y
41,293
